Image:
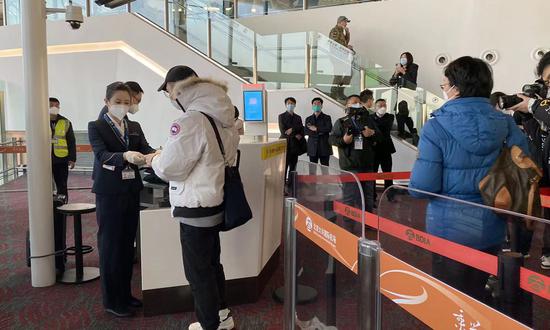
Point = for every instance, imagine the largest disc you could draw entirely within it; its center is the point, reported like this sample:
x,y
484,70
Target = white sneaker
x,y
226,321
545,262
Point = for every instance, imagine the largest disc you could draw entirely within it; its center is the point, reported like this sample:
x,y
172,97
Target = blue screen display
x,y
253,106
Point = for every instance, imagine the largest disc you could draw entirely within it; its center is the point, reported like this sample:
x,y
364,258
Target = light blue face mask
x,y
290,107
403,61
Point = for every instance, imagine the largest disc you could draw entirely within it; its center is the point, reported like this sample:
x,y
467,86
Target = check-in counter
x,y
249,253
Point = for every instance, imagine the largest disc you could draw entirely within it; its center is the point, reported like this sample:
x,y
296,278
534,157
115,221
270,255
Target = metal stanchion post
x,y
290,266
330,274
369,285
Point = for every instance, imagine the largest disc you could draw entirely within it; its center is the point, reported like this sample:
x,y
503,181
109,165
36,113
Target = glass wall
x,y
13,10
62,4
265,7
153,10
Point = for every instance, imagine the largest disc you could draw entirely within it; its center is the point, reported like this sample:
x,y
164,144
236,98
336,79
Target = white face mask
x,y
54,111
381,111
403,61
134,108
356,106
119,110
445,93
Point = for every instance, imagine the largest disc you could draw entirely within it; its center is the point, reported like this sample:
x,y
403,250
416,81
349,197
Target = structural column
x,y
35,69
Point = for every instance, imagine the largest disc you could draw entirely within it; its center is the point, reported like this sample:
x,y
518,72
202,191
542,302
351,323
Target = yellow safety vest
x,y
59,141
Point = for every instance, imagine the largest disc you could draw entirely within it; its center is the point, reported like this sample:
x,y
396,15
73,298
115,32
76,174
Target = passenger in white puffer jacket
x,y
192,162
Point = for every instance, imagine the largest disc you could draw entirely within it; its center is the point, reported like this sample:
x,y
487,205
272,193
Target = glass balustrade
x,y
280,61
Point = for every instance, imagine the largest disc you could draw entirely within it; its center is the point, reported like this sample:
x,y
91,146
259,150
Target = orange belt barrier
x,y
436,304
338,178
23,149
529,280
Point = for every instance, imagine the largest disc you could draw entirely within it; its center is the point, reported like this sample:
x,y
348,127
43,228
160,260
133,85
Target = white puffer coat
x,y
191,158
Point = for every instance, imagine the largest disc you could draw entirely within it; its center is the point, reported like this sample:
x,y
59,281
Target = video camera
x,y
538,89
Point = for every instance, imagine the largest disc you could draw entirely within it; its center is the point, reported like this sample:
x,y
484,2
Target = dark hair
x,y
471,76
115,87
543,63
317,99
55,100
366,95
410,58
403,105
236,112
380,100
494,98
134,87
290,99
352,95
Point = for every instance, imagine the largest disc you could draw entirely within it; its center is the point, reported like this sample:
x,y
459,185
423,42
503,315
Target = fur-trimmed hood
x,y
206,95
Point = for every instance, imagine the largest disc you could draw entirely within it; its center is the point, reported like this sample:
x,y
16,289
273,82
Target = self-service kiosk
x,y
254,112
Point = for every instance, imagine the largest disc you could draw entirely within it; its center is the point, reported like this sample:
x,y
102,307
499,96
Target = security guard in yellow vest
x,y
63,147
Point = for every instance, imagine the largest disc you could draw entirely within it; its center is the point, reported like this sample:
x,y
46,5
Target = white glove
x,y
134,157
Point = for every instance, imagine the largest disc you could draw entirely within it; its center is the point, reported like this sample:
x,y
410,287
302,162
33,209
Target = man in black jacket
x,y
63,147
536,124
355,135
318,128
385,148
292,129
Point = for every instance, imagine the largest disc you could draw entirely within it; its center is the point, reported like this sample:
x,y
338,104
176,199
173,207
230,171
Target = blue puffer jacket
x,y
457,149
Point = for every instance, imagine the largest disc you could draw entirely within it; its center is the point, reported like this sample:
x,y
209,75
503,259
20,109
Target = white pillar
x,y
35,70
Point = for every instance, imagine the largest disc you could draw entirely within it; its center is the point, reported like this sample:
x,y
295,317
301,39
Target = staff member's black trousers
x,y
60,173
117,218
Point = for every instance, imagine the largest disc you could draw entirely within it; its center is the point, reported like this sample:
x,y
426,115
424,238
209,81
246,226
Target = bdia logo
x,y
309,224
411,235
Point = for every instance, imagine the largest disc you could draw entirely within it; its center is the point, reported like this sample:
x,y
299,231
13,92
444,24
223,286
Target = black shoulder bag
x,y
237,211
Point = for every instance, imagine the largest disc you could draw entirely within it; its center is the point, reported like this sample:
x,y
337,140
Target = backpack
x,y
513,183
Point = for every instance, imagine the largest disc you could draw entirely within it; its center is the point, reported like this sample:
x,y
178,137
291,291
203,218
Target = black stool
x,y
79,274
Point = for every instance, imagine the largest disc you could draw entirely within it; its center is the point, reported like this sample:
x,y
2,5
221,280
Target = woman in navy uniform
x,y
119,146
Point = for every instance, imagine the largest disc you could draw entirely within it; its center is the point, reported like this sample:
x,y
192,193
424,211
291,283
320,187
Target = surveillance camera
x,y
73,16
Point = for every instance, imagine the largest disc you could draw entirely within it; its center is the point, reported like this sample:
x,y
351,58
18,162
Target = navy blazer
x,y
108,150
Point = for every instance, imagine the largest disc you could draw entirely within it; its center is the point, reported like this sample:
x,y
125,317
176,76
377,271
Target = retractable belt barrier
x,y
529,280
401,282
23,149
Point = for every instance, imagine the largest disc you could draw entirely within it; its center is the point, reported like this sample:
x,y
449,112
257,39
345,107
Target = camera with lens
x,y
538,89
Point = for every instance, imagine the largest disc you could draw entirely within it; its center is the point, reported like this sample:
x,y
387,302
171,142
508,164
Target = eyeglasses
x,y
547,82
166,93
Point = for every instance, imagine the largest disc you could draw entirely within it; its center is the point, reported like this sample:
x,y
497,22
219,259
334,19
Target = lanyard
x,y
355,123
124,139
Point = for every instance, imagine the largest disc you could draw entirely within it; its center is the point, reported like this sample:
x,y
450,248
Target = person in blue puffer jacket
x,y
458,147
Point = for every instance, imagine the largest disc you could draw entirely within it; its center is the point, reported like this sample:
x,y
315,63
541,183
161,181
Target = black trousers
x,y
466,279
352,195
60,173
402,121
324,161
383,160
201,261
291,162
117,218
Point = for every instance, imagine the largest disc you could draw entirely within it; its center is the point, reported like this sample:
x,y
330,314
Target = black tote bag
x,y
237,211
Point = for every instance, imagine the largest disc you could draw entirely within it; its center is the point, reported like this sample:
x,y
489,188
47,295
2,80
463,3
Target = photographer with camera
x,y
355,135
534,107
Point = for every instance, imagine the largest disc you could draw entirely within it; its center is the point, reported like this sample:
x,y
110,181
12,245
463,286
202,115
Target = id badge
x,y
128,174
358,143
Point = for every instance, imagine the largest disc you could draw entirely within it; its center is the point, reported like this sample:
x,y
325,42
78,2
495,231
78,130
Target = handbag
x,y
237,212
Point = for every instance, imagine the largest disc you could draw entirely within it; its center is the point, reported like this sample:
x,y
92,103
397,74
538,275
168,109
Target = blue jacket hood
x,y
474,124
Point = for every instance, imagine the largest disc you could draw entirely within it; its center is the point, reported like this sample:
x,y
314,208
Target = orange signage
x,y
335,240
433,302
